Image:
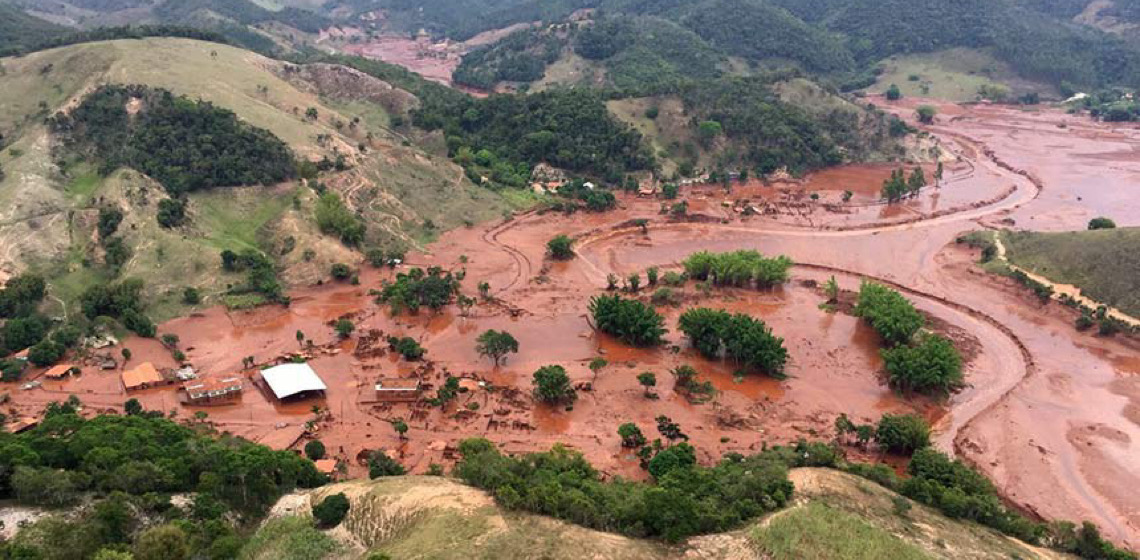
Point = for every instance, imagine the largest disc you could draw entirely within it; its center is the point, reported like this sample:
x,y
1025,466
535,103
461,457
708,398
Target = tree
x,y
631,435
171,212
331,510
669,191
561,248
300,337
465,303
485,290
380,464
651,275
311,113
894,93
496,345
126,352
344,328
676,457
925,114
315,450
45,353
669,429
707,131
552,385
407,347
902,433
648,380
401,428
132,407
164,542
932,365
634,282
1101,223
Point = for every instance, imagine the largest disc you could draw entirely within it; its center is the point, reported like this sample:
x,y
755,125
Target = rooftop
x,y
141,376
397,384
287,380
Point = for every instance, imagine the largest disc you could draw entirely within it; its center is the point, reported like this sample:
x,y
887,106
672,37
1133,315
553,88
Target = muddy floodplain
x,y
1051,415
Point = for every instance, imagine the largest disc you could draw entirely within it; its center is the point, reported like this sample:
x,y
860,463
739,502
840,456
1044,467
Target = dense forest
x,y
509,134
184,144
124,469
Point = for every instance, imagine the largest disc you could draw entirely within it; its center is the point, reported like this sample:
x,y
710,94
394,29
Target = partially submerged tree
x,y
496,345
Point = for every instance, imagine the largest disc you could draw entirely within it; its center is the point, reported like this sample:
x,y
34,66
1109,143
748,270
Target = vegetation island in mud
x,y
518,279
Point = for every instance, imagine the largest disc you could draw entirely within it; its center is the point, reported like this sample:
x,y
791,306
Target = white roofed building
x,y
288,381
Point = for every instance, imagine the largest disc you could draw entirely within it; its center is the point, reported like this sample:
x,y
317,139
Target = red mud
x,y
1052,415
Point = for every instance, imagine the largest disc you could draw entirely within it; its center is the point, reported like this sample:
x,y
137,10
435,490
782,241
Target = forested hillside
x,y
19,30
838,41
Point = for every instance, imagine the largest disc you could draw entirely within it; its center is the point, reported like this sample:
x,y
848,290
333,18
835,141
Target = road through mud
x,y
1050,414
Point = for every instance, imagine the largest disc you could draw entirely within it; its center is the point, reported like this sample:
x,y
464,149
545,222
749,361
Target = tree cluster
x,y
184,144
889,313
685,500
899,186
738,268
416,288
741,338
631,321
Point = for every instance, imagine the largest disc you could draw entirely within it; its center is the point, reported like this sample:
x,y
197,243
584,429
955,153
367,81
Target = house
x,y
61,371
144,376
397,389
212,390
293,381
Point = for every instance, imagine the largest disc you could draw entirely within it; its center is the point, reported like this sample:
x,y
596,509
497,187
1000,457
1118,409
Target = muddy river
x,y
1050,414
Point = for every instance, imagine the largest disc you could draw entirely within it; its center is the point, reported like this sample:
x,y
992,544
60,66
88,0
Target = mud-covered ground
x,y
1052,415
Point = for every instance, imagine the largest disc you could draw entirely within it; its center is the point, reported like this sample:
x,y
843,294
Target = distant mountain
x,y
1066,41
19,30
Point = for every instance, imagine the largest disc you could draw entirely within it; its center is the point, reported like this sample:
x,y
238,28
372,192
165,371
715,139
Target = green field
x,y
952,75
1104,264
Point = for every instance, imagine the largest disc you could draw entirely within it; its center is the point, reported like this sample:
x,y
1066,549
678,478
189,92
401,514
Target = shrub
x,y
331,511
190,296
380,464
631,321
1101,223
678,457
344,328
341,271
552,385
930,366
903,433
407,347
561,248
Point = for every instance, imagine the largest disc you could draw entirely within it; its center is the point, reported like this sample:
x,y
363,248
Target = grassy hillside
x,y
835,516
48,214
1104,264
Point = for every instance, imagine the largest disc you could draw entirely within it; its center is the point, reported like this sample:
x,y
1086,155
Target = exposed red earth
x,y
1050,414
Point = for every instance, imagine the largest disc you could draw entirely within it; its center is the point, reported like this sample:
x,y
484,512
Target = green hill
x,y
835,516
48,213
1104,264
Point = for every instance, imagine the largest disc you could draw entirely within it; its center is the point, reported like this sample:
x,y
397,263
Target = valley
x,y
388,279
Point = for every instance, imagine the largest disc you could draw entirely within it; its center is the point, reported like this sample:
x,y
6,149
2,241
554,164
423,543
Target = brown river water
x,y
1050,414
